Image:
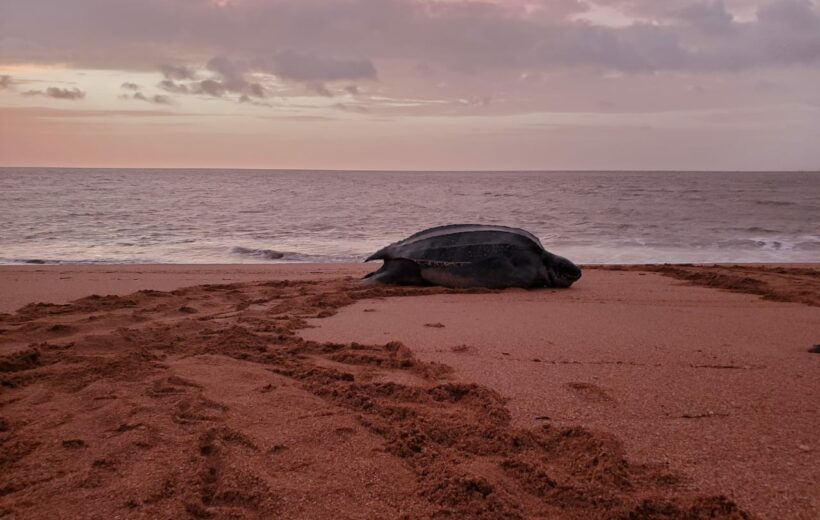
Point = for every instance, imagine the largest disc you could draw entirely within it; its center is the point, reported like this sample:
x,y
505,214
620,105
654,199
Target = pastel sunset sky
x,y
411,84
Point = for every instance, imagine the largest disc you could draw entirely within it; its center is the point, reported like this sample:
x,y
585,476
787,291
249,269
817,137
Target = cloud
x,y
793,14
6,82
177,72
58,93
476,101
172,86
226,77
554,9
231,76
788,31
156,99
320,89
303,66
666,10
137,94
710,17
245,99
209,87
329,40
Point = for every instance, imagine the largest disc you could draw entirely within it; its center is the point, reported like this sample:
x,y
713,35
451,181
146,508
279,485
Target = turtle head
x,y
560,272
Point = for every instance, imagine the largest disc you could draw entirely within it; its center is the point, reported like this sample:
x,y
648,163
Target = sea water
x,y
51,215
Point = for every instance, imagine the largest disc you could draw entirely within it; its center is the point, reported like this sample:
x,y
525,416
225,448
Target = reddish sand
x,y
631,395
718,385
20,285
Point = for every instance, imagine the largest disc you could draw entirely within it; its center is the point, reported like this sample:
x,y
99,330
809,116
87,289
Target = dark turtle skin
x,y
472,255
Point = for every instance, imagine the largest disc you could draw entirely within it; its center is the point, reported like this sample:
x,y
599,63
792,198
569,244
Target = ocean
x,y
53,215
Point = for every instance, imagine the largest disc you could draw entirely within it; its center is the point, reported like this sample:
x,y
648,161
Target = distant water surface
x,y
225,216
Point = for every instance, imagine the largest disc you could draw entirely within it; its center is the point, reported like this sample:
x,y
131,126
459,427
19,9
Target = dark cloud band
x,y
469,35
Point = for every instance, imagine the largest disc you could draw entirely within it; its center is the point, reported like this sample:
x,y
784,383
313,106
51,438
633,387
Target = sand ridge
x,y
205,402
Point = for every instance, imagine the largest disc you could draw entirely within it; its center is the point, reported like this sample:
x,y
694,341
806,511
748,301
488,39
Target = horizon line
x,y
374,170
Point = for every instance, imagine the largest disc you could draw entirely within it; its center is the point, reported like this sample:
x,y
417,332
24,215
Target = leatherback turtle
x,y
472,255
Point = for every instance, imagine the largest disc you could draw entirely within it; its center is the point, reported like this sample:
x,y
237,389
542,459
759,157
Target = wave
x,y
808,246
67,261
777,243
755,229
774,203
266,254
289,256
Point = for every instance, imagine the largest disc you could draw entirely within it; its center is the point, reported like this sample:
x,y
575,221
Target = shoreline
x,y
240,372
23,284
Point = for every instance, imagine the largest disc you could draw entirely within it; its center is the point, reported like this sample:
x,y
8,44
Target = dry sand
x,y
631,395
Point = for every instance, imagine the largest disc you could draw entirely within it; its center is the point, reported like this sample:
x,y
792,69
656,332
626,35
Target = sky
x,y
411,84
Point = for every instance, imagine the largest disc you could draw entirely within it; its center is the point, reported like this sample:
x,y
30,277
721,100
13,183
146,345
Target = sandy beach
x,y
593,288
291,391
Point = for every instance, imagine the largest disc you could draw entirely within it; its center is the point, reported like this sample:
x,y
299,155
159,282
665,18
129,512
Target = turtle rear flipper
x,y
397,271
381,254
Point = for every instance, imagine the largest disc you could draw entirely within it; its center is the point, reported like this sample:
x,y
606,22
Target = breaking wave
x,y
288,256
265,254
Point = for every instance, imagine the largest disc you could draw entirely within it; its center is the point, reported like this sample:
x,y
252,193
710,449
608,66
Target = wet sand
x,y
292,392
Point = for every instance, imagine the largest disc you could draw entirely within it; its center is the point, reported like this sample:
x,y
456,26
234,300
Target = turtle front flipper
x,y
396,271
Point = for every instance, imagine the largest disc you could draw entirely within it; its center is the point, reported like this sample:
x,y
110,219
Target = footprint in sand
x,y
225,487
344,432
102,471
463,349
590,392
171,385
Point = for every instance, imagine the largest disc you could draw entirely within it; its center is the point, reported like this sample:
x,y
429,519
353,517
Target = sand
x,y
293,392
20,285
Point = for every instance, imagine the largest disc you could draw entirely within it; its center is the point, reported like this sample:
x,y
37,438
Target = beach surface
x,y
291,391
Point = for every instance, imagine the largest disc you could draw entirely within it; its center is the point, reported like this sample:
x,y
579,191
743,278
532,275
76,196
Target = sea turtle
x,y
472,255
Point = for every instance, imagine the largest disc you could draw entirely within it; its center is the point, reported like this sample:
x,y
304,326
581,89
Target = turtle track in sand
x,y
794,284
205,403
